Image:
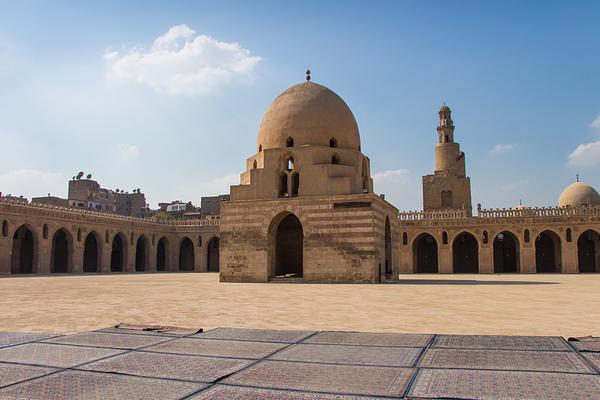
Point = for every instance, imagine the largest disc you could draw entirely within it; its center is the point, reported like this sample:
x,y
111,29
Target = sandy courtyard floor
x,y
567,305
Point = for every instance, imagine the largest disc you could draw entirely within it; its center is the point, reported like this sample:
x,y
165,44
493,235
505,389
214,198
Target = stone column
x,y
527,258
198,259
77,257
445,259
106,255
486,259
130,264
5,255
151,267
44,254
569,257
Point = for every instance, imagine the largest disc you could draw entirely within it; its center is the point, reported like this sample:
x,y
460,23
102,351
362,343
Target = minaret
x,y
448,187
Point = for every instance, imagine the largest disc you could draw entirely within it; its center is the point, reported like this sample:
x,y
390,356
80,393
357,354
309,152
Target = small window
x,y
254,164
332,142
259,148
289,142
199,241
485,237
404,238
283,185
45,231
79,234
295,184
106,237
5,228
569,235
335,159
290,164
526,236
444,237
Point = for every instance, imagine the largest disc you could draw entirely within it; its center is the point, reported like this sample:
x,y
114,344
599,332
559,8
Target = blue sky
x,y
87,86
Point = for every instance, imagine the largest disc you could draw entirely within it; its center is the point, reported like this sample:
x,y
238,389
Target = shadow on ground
x,y
459,282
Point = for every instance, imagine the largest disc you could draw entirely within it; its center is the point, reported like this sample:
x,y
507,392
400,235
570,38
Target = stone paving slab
x,y
220,348
496,385
12,338
371,339
110,340
491,342
13,373
80,385
257,335
515,360
157,365
53,355
357,355
342,379
221,392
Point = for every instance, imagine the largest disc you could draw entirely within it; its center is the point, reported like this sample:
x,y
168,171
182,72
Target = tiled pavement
x,y
227,363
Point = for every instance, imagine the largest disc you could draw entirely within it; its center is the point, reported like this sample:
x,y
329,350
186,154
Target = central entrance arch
x,y
425,254
186,255
22,251
465,254
161,254
547,252
141,254
588,251
117,253
90,253
506,253
286,247
61,252
212,255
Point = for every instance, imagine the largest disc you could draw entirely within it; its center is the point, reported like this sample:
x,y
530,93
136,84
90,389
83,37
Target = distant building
x,y
211,205
51,200
10,197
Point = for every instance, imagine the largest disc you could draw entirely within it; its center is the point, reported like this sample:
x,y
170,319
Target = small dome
x,y
578,194
444,108
310,114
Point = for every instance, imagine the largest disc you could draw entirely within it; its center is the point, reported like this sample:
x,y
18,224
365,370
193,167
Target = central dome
x,y
310,114
579,194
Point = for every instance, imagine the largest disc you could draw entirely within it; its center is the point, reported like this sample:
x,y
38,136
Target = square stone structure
x,y
305,208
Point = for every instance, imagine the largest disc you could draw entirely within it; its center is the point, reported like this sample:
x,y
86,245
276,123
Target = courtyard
x,y
519,304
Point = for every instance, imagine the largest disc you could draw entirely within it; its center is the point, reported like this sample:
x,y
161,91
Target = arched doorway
x,y
588,254
288,238
186,255
161,254
141,254
465,254
547,252
212,255
22,251
388,247
61,252
425,254
117,254
506,253
90,253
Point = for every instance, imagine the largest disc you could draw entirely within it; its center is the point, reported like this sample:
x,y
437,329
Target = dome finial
x,y
308,74
577,177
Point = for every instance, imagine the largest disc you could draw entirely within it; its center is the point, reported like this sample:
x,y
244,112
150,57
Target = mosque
x,y
305,211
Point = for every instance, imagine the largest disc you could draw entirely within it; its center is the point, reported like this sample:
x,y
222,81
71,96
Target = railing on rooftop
x,y
73,210
537,212
455,213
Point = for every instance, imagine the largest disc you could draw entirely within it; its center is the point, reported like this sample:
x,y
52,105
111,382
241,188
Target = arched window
x,y
447,138
5,228
79,234
444,237
153,239
569,235
290,164
365,177
254,165
199,240
404,238
526,236
289,142
332,142
295,184
106,237
335,159
485,237
259,148
283,185
45,231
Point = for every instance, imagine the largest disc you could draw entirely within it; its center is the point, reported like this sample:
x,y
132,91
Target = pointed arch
x,y
24,250
92,252
548,252
506,253
388,247
118,253
62,252
141,254
425,254
588,251
186,254
285,249
333,142
465,254
162,254
212,255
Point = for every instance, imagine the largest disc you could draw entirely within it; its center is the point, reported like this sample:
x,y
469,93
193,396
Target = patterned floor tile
x,y
490,342
215,347
361,355
110,340
371,339
12,338
75,385
593,358
155,365
13,373
244,393
53,355
550,361
497,385
343,379
261,335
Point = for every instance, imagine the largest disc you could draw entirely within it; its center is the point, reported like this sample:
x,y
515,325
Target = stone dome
x,y
578,194
310,114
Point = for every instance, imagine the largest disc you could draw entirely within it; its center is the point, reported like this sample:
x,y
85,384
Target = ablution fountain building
x,y
306,211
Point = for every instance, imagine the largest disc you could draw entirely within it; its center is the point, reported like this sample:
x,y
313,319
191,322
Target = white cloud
x,y
501,148
585,155
31,182
595,123
398,187
180,63
128,152
391,176
220,185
